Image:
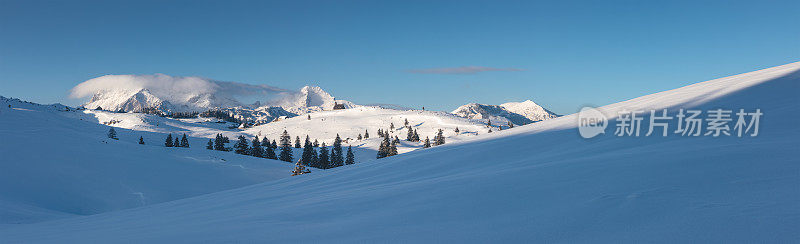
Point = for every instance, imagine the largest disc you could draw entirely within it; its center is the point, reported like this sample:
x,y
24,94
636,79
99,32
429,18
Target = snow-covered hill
x,y
56,162
519,113
323,127
536,183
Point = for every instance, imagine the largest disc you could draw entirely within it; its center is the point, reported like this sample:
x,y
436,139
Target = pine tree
x,y
315,158
141,140
392,149
274,145
427,143
297,142
351,158
210,145
286,148
270,153
380,132
391,126
383,150
439,139
457,131
168,143
316,143
410,135
256,150
396,139
406,123
184,141
219,142
359,137
307,158
112,133
176,143
510,125
309,117
241,146
337,158
416,136
366,134
489,123
299,169
323,162
265,143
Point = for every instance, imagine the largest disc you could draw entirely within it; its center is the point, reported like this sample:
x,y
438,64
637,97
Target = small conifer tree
x,y
337,158
299,169
241,146
256,150
112,133
351,158
286,148
168,142
184,141
141,140
323,161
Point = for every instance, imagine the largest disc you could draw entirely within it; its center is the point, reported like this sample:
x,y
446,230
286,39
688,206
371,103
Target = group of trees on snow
x,y
184,142
263,148
325,159
388,146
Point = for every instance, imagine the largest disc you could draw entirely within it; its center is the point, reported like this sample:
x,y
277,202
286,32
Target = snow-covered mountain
x,y
310,99
519,113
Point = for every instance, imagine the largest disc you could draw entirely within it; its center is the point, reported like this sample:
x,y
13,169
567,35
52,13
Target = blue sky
x,y
559,54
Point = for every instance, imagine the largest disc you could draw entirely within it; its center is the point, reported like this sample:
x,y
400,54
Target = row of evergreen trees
x,y
310,157
324,160
184,142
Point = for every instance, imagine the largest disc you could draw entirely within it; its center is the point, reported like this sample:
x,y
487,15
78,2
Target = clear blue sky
x,y
559,54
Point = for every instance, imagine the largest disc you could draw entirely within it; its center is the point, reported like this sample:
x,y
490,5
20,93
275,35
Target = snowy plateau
x,y
531,179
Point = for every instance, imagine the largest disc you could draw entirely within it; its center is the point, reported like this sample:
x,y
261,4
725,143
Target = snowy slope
x,y
518,113
535,183
57,163
349,123
323,126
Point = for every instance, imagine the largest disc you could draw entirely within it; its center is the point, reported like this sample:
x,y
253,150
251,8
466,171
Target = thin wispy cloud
x,y
461,70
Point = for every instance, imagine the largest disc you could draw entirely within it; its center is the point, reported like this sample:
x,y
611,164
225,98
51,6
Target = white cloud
x,y
177,88
461,70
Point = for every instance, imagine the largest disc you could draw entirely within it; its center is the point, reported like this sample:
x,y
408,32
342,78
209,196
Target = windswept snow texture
x,y
518,113
56,163
534,183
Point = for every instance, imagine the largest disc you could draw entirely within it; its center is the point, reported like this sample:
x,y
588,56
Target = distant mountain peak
x,y
519,113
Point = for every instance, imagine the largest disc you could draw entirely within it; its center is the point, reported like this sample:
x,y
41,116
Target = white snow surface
x,y
323,127
57,163
535,183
